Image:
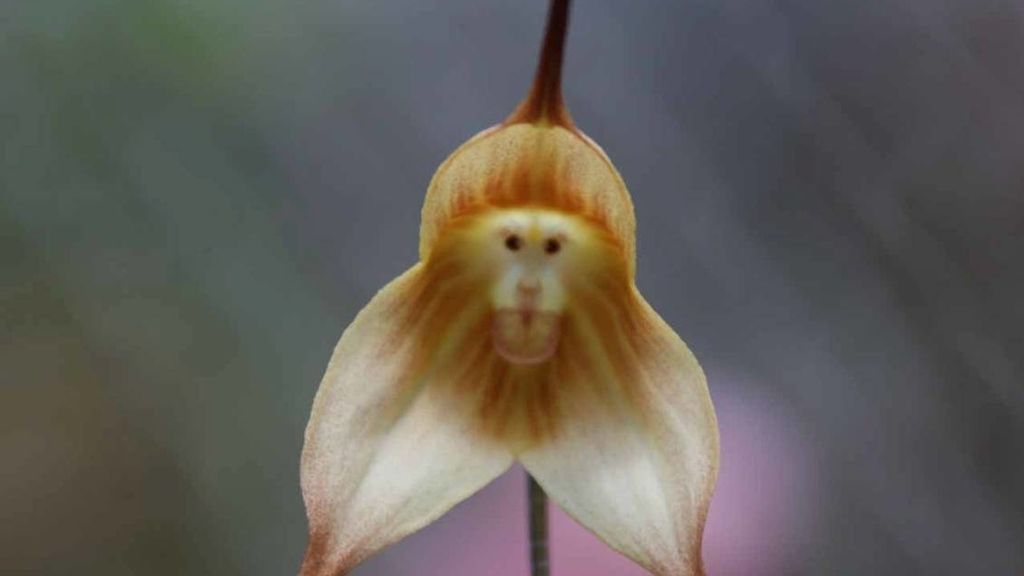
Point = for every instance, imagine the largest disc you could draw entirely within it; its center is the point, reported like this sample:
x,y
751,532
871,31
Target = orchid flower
x,y
520,335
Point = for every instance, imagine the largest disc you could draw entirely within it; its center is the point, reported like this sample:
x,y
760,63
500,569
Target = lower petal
x,y
636,455
388,447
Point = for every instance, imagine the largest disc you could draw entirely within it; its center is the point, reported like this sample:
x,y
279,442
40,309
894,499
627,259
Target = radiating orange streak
x,y
537,180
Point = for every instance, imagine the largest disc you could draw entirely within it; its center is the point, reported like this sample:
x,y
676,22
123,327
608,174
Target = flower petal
x,y
528,165
636,456
388,447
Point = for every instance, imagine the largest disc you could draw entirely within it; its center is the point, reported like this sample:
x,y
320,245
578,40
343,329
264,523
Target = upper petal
x,y
636,455
529,165
388,447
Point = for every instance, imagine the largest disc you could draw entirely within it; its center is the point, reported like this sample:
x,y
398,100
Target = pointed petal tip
x,y
544,103
315,561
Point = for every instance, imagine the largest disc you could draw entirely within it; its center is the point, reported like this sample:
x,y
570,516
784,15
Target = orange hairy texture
x,y
449,323
530,165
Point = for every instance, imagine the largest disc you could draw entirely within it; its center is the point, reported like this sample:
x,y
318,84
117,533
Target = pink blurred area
x,y
765,504
763,509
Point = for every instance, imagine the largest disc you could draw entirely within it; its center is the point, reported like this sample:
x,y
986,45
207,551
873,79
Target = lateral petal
x,y
636,455
388,447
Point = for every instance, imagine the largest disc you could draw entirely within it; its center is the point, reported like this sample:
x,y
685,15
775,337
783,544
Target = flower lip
x,y
526,335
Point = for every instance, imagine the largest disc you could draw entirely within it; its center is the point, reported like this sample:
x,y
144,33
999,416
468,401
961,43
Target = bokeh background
x,y
196,197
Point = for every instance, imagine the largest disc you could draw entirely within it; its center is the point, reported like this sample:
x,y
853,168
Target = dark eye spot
x,y
552,246
513,243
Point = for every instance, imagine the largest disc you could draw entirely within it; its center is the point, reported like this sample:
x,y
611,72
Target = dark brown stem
x,y
539,564
544,102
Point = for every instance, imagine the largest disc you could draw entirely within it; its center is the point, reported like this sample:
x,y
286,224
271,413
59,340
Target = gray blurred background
x,y
196,196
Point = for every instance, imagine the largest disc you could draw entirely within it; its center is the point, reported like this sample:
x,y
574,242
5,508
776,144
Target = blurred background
x,y
196,197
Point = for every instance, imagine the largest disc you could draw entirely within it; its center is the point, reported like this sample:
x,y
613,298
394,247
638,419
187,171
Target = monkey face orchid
x,y
520,335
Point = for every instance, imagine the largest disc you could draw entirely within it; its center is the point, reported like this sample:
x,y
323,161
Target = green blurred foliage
x,y
151,303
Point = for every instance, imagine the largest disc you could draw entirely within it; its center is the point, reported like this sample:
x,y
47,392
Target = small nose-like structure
x,y
529,288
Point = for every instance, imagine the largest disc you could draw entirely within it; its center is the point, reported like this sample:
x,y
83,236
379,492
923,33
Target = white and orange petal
x,y
387,451
418,410
637,457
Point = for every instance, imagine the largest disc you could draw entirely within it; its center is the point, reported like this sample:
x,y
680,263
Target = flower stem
x,y
538,505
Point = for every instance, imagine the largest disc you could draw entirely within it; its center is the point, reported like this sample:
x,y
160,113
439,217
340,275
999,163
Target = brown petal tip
x,y
543,104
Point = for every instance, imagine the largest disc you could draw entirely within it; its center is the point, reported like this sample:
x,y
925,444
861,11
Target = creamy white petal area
x,y
635,461
388,447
